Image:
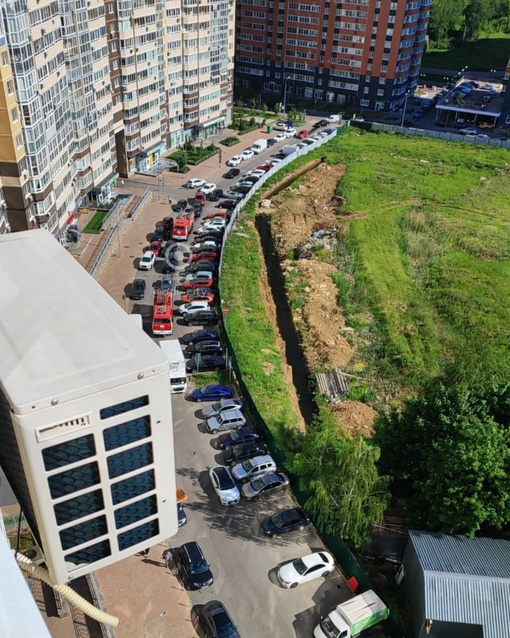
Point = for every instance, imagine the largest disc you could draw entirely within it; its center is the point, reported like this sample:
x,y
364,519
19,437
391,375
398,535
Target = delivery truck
x,y
173,351
258,146
350,618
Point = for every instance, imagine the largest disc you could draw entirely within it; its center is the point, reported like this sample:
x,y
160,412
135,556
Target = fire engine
x,y
183,225
162,313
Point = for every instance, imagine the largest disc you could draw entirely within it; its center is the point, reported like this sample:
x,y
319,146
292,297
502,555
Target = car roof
x,y
148,253
316,558
193,550
231,413
263,458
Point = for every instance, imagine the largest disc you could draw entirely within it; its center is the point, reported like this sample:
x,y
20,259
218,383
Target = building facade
x,y
359,53
90,90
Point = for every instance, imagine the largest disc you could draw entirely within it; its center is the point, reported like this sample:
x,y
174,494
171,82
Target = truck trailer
x,y
173,352
350,618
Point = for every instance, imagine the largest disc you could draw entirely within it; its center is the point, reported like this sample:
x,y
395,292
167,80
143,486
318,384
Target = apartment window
x,y
10,87
14,114
19,141
5,59
364,102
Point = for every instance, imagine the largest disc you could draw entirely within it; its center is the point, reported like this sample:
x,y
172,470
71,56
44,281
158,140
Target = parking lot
x,y
243,561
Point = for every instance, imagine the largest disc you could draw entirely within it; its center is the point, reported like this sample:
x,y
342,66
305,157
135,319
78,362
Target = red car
x,y
302,134
198,294
155,246
199,198
209,255
227,214
265,167
198,281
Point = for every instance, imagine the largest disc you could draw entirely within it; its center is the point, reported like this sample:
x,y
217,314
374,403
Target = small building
x,y
471,103
457,587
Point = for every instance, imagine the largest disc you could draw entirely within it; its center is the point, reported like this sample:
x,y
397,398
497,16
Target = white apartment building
x,y
91,90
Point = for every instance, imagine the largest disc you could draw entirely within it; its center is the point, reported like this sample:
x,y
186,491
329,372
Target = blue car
x,y
211,392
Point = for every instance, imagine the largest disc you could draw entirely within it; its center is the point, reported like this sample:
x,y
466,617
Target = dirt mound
x,y
355,418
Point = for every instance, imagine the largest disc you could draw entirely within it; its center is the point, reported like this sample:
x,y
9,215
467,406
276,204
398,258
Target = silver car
x,y
221,406
225,421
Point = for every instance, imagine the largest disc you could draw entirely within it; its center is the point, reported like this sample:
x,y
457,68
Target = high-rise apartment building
x,y
93,89
363,53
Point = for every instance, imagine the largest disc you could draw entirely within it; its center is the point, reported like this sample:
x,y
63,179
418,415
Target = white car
x,y
209,243
195,182
215,222
290,132
301,570
281,126
147,260
191,308
276,161
247,154
280,137
224,485
235,160
208,188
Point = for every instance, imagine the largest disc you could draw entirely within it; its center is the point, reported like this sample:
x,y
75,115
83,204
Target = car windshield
x,y
247,466
278,519
235,436
199,567
256,484
299,566
207,389
224,627
329,629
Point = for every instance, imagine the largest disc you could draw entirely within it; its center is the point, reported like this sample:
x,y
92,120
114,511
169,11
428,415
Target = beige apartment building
x,y
90,90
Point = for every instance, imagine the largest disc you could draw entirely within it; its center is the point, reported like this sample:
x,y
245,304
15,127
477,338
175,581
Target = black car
x,y
193,567
216,621
228,204
242,452
215,244
242,434
201,266
198,208
251,179
271,142
204,347
202,318
182,519
138,289
284,521
233,172
158,234
200,335
205,363
181,205
320,124
216,195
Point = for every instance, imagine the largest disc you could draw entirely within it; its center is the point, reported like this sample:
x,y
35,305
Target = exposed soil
x,y
296,213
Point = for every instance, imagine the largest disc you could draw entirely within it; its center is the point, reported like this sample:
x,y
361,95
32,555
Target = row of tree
x,y
469,17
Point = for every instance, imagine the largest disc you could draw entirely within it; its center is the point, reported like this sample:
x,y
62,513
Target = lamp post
x,y
408,92
161,615
285,80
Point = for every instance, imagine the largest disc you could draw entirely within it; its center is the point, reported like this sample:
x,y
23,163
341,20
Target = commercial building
x,y
91,90
364,53
86,432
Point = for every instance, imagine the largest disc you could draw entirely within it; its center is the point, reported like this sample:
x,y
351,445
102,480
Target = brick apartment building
x,y
363,54
94,89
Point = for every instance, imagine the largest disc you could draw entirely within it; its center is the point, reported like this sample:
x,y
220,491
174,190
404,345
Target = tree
x,y
451,448
445,15
477,15
347,496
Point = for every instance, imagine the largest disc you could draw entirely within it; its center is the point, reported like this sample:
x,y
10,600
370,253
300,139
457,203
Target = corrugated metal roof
x,y
466,580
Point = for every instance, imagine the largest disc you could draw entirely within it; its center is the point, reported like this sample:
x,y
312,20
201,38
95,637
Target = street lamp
x,y
161,615
408,93
285,80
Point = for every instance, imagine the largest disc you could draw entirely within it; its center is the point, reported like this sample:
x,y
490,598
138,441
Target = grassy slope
x,y
431,249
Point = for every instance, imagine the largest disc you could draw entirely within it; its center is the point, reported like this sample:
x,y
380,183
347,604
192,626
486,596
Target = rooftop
x,y
486,98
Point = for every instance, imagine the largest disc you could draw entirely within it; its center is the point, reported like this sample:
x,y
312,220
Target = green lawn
x,y
485,54
94,224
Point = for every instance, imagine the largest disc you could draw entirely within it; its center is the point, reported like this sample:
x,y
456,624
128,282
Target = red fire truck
x,y
183,225
162,313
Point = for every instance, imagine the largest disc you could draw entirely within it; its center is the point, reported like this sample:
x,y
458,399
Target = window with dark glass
x,y
129,460
133,487
79,478
125,406
136,511
83,532
125,433
78,507
69,452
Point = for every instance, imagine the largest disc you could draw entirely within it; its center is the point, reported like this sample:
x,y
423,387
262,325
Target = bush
x,y
230,141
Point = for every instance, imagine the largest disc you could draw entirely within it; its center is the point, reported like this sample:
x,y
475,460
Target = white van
x,y
332,119
258,146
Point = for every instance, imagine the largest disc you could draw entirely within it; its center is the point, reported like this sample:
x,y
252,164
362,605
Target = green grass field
x,y
94,225
491,52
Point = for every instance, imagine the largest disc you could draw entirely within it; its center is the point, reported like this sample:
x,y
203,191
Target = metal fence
x,y
339,549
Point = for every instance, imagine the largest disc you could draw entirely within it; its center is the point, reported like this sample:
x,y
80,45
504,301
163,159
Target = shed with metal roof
x,y
457,587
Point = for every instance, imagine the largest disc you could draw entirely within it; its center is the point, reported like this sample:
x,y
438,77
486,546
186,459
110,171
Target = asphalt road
x,y
244,562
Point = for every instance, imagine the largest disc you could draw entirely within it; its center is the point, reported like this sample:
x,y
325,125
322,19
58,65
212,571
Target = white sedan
x,y
290,132
280,137
195,182
235,160
208,188
224,485
247,154
301,570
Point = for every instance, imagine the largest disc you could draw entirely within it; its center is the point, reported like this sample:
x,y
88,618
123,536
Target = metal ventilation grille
x,y
132,487
79,478
139,534
125,433
83,532
130,460
69,452
59,429
78,507
136,512
90,554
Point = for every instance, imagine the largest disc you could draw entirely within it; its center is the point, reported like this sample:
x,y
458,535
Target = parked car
x,y
228,204
198,280
193,566
470,130
155,246
267,166
203,265
233,194
200,335
198,294
247,154
216,621
192,307
285,521
211,392
302,570
320,124
225,421
290,132
203,347
179,206
208,188
253,468
199,198
224,485
216,195
205,363
206,255
167,284
205,244
158,234
263,485
242,434
222,406
233,172
280,137
271,142
235,160
147,261
182,519
281,126
195,182
138,289
216,233
242,452
202,318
